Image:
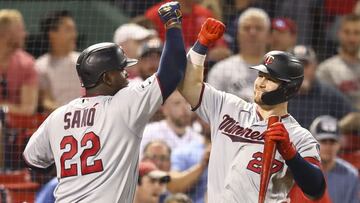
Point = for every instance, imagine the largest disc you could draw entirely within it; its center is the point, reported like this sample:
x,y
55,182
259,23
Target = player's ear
x,y
107,78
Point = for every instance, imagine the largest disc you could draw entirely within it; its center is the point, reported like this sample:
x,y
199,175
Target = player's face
x,y
264,83
328,150
177,110
150,190
349,37
65,35
253,34
159,155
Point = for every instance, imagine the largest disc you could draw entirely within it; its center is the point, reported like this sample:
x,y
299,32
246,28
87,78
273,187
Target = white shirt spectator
x,y
233,75
59,74
342,75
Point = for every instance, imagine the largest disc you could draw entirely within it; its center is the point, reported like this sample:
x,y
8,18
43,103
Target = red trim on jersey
x,y
313,161
161,88
200,99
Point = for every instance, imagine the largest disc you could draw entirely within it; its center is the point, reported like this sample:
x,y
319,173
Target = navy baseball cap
x,y
325,127
304,53
151,46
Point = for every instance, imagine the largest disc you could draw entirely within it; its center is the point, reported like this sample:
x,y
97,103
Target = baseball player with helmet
x,y
94,140
239,129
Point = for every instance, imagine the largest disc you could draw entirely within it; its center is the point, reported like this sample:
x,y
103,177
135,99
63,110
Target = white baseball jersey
x,y
94,143
237,147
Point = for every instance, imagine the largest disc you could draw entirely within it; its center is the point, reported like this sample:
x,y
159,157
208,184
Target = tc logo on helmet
x,y
268,59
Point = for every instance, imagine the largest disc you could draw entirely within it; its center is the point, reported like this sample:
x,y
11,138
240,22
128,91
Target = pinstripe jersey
x,y
94,143
237,147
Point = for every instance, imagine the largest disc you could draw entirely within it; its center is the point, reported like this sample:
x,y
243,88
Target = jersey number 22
x,y
97,166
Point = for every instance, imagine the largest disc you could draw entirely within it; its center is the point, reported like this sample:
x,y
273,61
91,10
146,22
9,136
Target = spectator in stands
x,y
316,98
151,183
193,15
343,70
233,74
46,193
342,178
59,83
158,152
175,129
283,34
193,157
178,198
149,58
18,77
130,37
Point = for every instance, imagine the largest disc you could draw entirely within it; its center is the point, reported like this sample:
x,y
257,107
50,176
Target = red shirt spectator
x,y
191,21
19,72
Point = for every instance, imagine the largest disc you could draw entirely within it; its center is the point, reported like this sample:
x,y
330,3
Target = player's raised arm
x,y
173,59
191,86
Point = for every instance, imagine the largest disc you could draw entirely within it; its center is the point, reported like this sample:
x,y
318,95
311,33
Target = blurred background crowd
x,y
41,40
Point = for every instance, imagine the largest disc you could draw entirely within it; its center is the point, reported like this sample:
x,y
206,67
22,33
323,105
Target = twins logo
x,y
231,128
268,59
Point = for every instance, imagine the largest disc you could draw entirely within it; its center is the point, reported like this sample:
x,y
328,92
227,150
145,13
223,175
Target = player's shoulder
x,y
296,130
229,62
228,98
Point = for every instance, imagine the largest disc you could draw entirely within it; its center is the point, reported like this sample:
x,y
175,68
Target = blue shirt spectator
x,y
343,183
46,194
184,158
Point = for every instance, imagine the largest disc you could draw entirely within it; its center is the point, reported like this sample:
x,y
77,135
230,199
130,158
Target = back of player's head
x,y
99,58
255,12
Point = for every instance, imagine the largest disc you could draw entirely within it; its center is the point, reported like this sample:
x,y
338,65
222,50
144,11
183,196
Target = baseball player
x,y
94,141
238,129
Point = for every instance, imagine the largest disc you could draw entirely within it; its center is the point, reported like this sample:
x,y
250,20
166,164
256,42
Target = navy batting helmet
x,y
286,68
99,58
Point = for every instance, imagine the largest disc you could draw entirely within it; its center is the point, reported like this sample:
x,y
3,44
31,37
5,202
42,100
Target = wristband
x,y
196,58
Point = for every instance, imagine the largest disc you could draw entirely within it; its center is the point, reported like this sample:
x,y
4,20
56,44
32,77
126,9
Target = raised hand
x,y
170,14
211,30
278,133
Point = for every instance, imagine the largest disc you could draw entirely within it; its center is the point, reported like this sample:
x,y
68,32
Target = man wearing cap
x,y
130,37
315,98
342,177
151,183
283,34
149,57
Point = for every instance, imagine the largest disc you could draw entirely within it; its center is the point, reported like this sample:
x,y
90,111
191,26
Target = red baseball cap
x,y
148,168
284,24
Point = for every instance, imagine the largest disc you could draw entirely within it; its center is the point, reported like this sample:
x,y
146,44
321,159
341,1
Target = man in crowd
x,y
18,77
59,83
342,178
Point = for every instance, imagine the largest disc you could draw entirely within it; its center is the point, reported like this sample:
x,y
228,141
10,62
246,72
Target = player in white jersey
x,y
94,141
238,129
